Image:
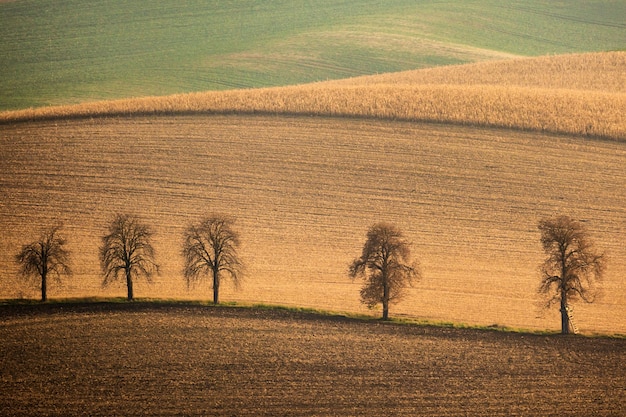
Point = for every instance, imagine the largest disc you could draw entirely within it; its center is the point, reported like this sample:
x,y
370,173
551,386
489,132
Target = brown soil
x,y
305,191
144,359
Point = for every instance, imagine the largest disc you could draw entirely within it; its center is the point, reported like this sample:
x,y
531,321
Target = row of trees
x,y
209,249
570,271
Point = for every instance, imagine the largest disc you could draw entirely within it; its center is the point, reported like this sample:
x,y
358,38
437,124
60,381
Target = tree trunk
x,y
216,286
44,274
564,315
385,288
385,301
129,284
44,289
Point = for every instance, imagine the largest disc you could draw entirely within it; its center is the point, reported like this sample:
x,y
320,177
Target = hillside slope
x,y
138,359
304,191
580,94
72,51
601,72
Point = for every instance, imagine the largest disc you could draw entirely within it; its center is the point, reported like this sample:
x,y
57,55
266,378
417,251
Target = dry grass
x,y
133,359
573,94
601,72
305,190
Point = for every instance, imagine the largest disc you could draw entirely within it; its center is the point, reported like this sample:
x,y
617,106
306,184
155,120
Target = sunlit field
x,y
462,123
580,94
304,191
67,51
154,359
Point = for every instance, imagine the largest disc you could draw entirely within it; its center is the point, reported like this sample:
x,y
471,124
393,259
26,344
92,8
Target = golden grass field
x,y
580,94
158,359
304,191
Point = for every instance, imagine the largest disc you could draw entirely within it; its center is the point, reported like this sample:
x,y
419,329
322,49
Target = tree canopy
x,y
572,267
210,249
45,257
385,266
127,251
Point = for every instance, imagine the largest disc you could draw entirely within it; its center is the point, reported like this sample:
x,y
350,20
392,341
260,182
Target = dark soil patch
x,y
177,359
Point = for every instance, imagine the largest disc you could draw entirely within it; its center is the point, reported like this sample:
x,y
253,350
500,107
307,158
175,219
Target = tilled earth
x,y
304,191
155,359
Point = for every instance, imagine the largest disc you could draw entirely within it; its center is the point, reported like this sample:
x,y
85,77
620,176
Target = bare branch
x,y
127,252
385,267
572,266
210,249
44,258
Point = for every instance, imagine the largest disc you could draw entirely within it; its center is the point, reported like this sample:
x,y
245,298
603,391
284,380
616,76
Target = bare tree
x,y
127,251
45,257
210,249
385,266
572,267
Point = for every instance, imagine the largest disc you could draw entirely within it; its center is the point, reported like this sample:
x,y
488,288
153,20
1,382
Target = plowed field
x,y
305,190
138,359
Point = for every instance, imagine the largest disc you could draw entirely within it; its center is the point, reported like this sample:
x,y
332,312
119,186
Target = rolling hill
x,y
74,51
466,158
579,94
172,359
304,191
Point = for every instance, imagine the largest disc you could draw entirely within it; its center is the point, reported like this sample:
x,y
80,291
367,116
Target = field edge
x,y
21,307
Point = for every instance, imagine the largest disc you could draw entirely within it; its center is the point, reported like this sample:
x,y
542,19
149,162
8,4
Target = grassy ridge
x,y
586,114
581,94
111,303
604,72
74,51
